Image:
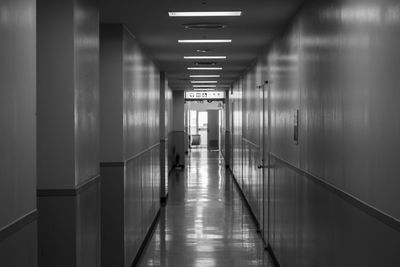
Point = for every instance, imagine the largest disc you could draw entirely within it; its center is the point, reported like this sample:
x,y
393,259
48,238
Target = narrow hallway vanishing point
x,y
204,223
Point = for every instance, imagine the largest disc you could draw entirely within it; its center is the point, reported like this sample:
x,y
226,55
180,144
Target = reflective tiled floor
x,y
205,223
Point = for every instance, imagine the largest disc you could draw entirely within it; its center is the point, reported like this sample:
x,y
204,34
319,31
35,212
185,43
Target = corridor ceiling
x,y
148,20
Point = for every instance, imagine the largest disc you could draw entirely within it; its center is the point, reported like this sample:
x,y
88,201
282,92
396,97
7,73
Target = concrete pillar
x,y
68,132
178,128
213,129
112,144
68,93
130,143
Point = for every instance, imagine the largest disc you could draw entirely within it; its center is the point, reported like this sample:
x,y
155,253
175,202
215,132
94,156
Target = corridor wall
x,y
18,133
330,199
130,144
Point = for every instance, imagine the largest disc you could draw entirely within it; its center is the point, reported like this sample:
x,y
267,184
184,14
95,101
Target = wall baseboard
x,y
70,191
271,253
146,240
18,224
246,202
268,248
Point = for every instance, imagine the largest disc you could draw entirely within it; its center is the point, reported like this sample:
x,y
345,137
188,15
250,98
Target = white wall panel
x,y
17,109
86,84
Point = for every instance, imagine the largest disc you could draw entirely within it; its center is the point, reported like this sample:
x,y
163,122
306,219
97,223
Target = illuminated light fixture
x,y
206,14
204,57
205,41
204,68
204,85
203,81
205,76
203,89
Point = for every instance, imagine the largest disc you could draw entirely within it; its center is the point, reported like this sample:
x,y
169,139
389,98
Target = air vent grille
x,y
204,63
204,50
204,26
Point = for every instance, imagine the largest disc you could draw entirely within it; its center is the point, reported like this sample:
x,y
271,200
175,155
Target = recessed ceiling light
x,y
206,14
204,81
205,41
204,68
205,76
203,89
204,85
204,57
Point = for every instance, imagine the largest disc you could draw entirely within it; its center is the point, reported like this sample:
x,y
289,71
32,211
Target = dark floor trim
x,y
170,171
370,210
246,202
268,247
271,253
146,240
68,192
18,225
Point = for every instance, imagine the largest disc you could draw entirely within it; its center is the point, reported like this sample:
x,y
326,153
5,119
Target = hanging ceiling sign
x,y
204,95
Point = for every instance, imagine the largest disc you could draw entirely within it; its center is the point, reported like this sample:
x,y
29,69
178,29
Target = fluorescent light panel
x,y
206,14
204,57
205,41
204,85
204,81
204,68
203,89
205,76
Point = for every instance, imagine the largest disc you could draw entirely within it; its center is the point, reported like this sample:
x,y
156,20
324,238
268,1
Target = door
x,y
264,155
192,122
213,129
202,127
261,157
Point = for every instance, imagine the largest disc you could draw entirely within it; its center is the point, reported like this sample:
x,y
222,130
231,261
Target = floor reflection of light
x,y
198,200
214,236
221,174
201,231
208,262
153,262
168,237
205,248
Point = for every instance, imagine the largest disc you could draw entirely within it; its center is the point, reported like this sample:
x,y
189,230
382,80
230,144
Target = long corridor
x,y
205,222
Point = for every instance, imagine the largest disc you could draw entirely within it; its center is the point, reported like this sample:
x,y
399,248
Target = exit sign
x,y
204,95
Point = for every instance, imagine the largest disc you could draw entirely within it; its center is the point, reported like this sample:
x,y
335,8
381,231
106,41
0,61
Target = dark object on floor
x,y
195,140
